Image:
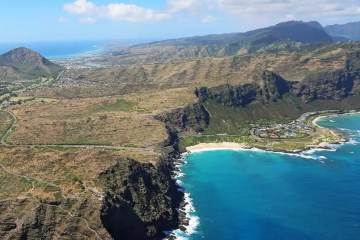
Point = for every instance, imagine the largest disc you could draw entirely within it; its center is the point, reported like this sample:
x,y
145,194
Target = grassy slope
x,y
235,120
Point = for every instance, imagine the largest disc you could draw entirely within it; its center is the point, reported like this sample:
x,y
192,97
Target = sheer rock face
x,y
140,200
193,117
335,85
265,88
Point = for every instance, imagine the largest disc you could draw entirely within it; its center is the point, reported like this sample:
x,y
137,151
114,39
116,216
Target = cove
x,y
251,195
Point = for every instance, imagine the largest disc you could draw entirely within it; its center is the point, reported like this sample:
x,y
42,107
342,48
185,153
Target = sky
x,y
67,20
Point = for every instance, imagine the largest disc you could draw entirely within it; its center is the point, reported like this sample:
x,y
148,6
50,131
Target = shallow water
x,y
261,195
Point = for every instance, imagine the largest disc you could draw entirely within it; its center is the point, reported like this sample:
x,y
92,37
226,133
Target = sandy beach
x,y
216,146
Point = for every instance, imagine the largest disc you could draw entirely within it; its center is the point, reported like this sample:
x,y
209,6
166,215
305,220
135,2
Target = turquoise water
x,y
255,195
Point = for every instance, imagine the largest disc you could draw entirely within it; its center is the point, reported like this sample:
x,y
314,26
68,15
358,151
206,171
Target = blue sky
x,y
44,20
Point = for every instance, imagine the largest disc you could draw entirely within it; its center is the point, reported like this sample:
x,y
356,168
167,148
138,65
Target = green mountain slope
x,y
26,64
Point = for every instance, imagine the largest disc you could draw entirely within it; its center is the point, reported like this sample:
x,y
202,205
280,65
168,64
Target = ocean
x,y
67,49
256,195
57,49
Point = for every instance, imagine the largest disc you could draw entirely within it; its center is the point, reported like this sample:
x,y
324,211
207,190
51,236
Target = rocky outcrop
x,y
25,219
140,200
265,88
193,117
335,85
328,85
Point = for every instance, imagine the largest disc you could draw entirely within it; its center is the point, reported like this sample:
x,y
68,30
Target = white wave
x,y
194,222
332,121
314,150
179,174
353,142
323,157
177,234
282,153
189,209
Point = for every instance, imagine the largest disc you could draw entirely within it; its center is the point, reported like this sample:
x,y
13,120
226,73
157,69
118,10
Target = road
x,y
58,77
15,121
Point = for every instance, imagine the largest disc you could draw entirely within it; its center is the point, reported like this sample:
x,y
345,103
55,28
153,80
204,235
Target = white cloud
x,y
250,12
182,5
133,13
63,20
116,11
79,7
87,20
314,8
208,19
289,17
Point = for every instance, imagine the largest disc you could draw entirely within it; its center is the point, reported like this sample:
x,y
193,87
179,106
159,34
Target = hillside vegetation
x,y
23,63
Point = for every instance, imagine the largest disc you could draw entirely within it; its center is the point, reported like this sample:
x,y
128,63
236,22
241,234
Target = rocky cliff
x,y
266,87
193,117
270,96
140,200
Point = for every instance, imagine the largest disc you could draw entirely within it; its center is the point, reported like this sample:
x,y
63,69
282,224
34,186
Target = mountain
x,y
341,32
272,39
297,31
27,64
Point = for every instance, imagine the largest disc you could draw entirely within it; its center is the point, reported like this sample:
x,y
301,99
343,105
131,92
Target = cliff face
x,y
267,96
335,85
193,117
140,200
265,88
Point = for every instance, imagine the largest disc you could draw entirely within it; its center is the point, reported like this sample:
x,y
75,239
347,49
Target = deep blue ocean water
x,y
255,195
57,49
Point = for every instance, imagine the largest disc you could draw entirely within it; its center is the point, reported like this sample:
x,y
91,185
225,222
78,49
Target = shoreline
x,y
202,147
216,146
186,209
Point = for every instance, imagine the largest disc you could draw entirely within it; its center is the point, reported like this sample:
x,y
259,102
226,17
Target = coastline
x,y
187,213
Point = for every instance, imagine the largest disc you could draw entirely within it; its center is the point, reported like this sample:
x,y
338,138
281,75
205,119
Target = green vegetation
x,y
120,105
299,75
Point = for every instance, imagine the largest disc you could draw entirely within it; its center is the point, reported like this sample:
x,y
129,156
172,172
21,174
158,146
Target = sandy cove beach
x,y
320,117
216,146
